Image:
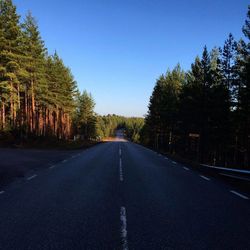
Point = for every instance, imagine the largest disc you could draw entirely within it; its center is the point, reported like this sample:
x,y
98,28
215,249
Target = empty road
x,y
119,195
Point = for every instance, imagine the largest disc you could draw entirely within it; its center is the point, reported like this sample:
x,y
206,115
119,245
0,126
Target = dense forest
x,y
204,114
37,90
39,97
107,125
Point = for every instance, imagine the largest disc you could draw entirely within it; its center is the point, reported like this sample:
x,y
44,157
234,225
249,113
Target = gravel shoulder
x,y
16,163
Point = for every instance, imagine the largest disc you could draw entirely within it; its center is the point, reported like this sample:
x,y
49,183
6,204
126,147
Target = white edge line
x,y
1,192
236,177
240,195
124,232
205,178
31,177
228,169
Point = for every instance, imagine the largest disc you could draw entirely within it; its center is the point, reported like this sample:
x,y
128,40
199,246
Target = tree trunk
x,y
26,115
11,103
33,106
3,114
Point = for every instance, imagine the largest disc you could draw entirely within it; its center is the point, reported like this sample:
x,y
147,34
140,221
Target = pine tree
x,y
163,108
9,63
35,87
244,94
60,98
219,112
191,108
86,119
229,67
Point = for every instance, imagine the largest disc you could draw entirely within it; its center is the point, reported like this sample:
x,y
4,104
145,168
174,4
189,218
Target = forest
x,y
39,97
204,114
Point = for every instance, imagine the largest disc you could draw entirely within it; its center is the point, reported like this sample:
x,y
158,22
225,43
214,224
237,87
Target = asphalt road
x,y
119,195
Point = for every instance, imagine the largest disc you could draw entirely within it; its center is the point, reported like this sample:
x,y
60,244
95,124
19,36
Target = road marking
x,y
166,158
120,151
124,232
1,192
205,178
31,177
53,166
120,169
240,195
64,161
186,168
174,162
236,177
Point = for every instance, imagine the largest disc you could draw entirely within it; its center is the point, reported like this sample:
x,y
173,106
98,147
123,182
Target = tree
x,y
191,108
9,63
244,94
163,108
86,119
229,67
35,87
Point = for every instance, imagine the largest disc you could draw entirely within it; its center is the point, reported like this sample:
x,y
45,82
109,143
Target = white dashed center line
x,y
53,166
205,178
1,192
120,152
120,170
31,177
174,162
64,161
240,195
186,168
124,232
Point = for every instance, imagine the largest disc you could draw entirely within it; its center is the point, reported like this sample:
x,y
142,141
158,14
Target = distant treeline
x,y
107,125
204,114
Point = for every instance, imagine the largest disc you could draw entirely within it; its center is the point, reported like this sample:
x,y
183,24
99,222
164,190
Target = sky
x,y
116,49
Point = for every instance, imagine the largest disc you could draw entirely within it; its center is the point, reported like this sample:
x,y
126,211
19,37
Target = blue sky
x,y
117,48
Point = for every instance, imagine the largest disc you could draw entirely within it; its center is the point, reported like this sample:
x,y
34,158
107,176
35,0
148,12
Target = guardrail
x,y
239,174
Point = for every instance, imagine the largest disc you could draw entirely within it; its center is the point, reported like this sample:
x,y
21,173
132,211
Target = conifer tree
x,y
86,118
35,87
229,67
9,63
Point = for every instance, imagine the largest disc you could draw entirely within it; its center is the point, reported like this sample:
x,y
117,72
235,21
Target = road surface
x,y
119,195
